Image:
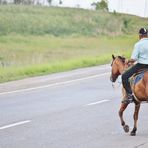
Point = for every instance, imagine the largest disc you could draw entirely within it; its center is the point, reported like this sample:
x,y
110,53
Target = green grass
x,y
42,40
37,55
34,20
19,50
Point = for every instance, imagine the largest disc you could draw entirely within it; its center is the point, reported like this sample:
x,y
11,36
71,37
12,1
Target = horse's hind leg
x,y
122,108
135,116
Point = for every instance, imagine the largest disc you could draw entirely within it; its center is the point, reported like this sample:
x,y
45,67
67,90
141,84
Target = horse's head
x,y
117,65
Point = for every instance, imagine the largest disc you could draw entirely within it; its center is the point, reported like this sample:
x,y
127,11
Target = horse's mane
x,y
122,58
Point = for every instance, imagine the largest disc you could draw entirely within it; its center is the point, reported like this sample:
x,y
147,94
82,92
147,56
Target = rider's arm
x,y
135,53
134,56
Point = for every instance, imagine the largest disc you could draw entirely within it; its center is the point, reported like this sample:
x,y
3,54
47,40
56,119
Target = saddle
x,y
137,77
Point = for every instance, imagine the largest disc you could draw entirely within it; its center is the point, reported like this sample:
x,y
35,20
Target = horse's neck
x,y
122,68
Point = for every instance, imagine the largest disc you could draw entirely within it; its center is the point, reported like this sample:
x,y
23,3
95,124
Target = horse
x,y
140,89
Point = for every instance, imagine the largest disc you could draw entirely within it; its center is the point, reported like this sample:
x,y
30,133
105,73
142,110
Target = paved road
x,y
76,109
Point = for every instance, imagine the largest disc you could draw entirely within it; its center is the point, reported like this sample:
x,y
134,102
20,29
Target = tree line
x,y
28,2
102,5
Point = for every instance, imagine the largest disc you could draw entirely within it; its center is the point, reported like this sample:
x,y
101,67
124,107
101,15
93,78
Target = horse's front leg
x,y
122,108
135,116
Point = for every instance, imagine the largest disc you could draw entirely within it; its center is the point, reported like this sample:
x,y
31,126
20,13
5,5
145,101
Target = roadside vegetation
x,y
37,40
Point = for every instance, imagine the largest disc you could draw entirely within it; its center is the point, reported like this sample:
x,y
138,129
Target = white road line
x,y
99,102
14,124
54,84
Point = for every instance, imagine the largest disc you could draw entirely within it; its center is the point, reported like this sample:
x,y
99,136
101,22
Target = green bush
x,y
102,5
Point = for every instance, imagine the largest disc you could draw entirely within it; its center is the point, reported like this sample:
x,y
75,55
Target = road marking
x,y
54,84
14,124
99,102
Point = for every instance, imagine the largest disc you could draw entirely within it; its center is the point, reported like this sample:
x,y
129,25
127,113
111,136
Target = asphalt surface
x,y
76,109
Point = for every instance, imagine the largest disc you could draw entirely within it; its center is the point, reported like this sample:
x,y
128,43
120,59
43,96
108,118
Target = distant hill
x,y
35,20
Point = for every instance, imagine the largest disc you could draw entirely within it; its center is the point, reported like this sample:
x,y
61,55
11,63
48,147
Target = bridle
x,y
115,76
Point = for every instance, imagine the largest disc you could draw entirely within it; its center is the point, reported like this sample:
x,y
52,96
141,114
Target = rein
x,y
125,66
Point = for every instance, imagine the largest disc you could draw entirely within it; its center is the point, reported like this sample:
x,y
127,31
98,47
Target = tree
x,y
3,2
60,2
103,5
49,1
24,2
17,1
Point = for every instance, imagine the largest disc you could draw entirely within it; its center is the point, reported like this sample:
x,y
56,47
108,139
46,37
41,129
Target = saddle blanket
x,y
137,78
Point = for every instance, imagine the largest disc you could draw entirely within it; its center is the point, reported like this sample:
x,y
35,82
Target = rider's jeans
x,y
127,74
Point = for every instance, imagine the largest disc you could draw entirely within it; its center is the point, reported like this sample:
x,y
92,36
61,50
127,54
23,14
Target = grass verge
x,y
23,57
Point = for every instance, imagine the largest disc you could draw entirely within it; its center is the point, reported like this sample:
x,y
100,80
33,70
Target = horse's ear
x,y
113,56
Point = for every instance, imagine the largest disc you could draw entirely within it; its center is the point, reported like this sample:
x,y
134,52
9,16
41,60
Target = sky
x,y
136,7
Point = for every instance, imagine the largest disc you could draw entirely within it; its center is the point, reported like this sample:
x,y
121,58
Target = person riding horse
x,y
140,57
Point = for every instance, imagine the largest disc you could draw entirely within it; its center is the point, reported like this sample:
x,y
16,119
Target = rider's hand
x,y
126,61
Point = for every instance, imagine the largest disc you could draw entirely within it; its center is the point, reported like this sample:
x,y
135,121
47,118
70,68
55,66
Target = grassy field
x,y
36,55
34,20
42,40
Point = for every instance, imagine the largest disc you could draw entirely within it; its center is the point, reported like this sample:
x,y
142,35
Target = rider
x,y
140,57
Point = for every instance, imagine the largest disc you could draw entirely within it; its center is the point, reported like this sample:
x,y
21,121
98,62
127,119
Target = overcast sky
x,y
137,7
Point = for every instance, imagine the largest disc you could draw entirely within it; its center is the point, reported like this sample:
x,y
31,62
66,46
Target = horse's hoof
x,y
133,133
126,128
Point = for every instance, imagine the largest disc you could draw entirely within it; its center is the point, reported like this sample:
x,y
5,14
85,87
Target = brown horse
x,y
119,65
